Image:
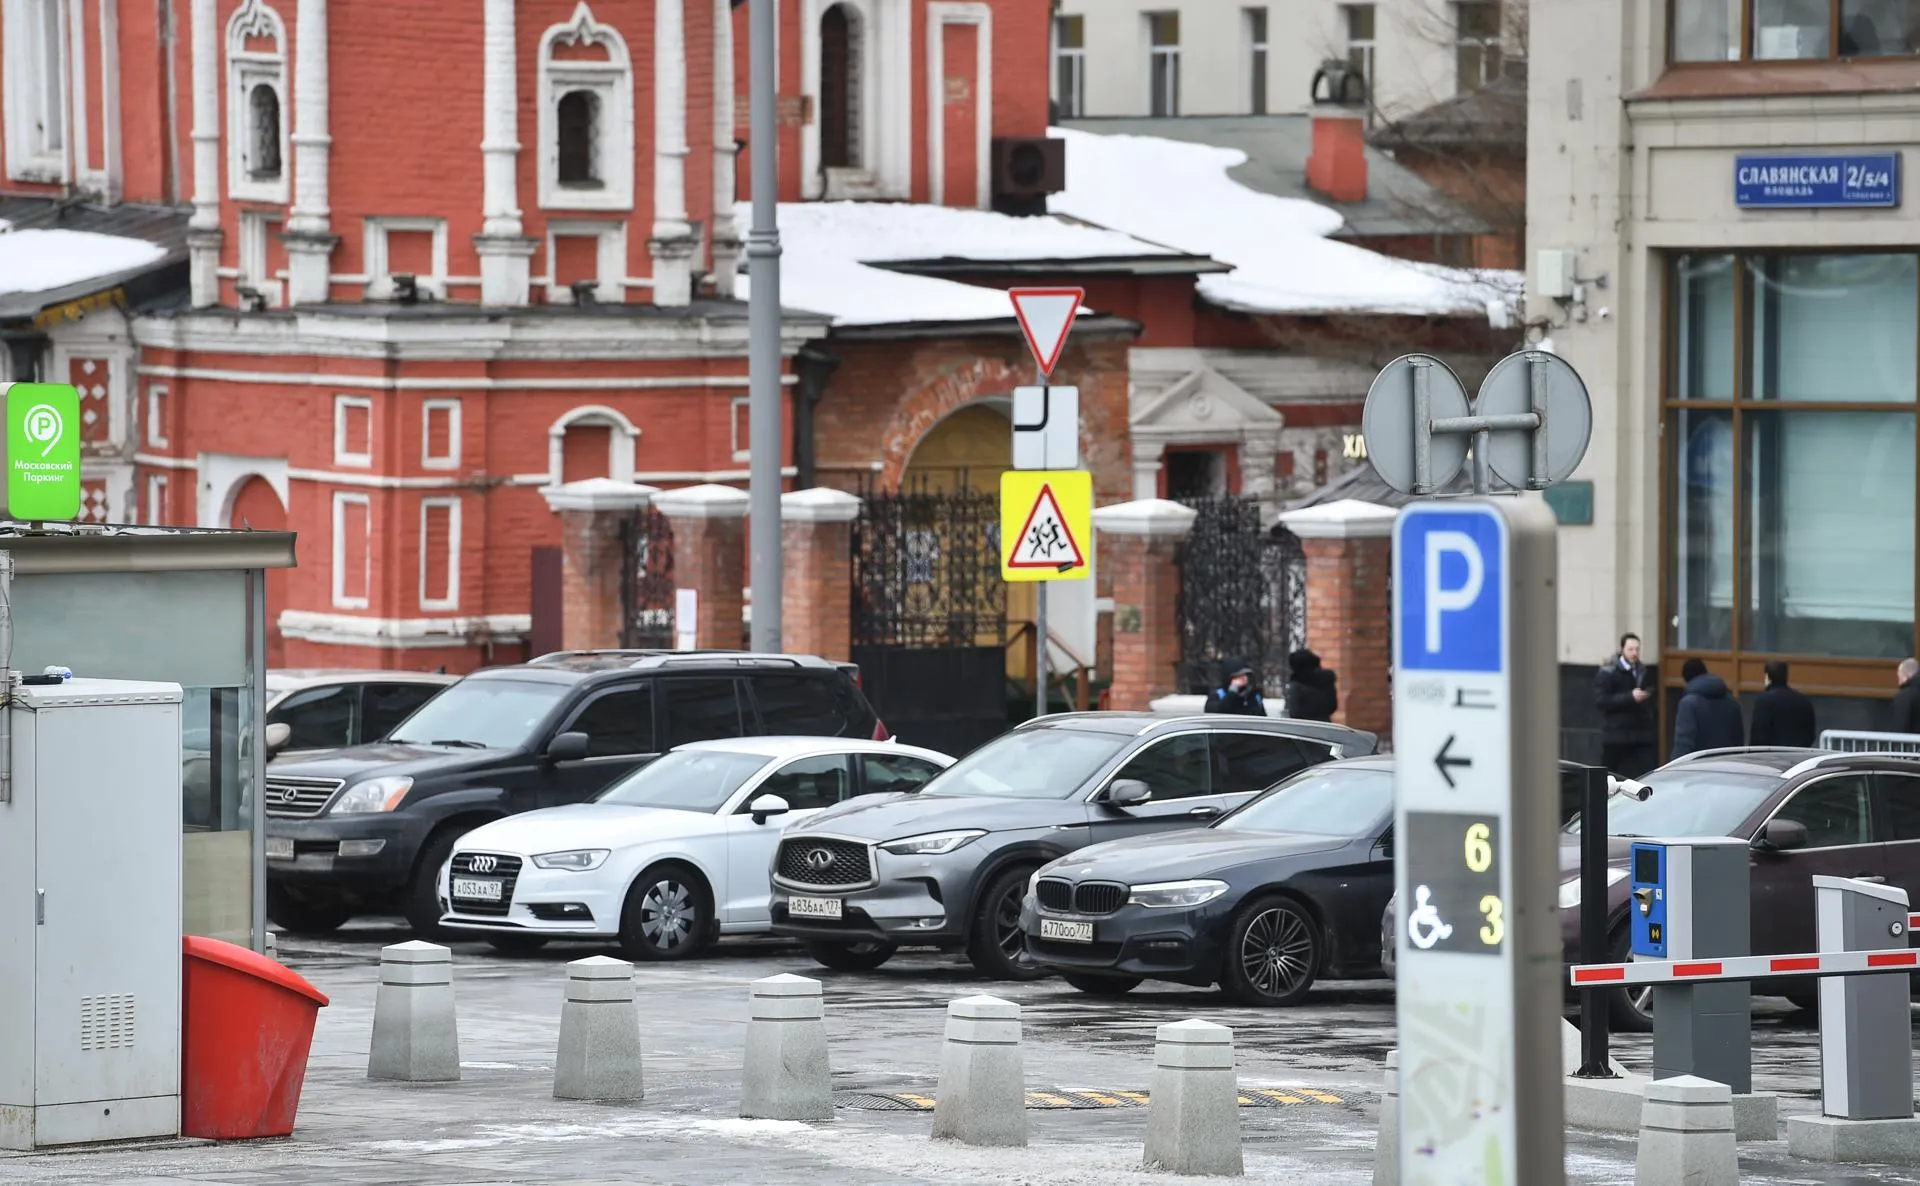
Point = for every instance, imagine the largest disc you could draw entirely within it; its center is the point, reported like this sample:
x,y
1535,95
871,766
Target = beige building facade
x,y
1720,244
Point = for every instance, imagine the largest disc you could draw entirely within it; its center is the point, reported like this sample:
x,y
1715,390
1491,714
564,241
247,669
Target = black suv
x,y
367,829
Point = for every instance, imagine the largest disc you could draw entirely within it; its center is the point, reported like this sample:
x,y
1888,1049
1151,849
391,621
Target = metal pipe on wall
x,y
765,429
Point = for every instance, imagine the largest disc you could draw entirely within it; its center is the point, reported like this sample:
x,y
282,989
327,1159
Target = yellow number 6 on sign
x,y
1046,525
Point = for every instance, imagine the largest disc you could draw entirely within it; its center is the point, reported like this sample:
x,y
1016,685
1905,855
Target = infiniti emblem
x,y
482,864
819,858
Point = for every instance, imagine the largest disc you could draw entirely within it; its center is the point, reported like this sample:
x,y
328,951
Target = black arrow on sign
x,y
1444,763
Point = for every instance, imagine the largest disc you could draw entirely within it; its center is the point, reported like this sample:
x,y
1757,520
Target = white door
x,y
808,785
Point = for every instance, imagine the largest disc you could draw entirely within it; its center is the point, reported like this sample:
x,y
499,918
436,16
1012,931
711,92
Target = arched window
x,y
578,124
264,115
840,61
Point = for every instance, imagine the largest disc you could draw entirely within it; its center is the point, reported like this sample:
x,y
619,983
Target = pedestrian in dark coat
x,y
1237,695
1629,744
1906,702
1782,716
1313,691
1709,716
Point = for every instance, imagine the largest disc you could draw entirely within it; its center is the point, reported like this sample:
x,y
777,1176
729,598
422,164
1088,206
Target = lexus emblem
x,y
290,795
482,864
819,858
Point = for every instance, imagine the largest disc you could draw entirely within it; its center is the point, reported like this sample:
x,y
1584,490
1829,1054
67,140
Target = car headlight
x,y
578,860
932,844
1167,894
375,794
1570,890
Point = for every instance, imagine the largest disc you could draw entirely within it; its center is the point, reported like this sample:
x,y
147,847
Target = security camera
x,y
1603,312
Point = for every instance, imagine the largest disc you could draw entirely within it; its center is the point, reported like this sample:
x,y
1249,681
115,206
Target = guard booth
x,y
182,606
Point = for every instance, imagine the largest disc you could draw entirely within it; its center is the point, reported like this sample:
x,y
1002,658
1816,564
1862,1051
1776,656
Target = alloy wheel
x,y
1006,928
1276,954
668,915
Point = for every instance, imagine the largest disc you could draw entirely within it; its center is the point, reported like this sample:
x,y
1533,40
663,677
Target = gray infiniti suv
x,y
947,866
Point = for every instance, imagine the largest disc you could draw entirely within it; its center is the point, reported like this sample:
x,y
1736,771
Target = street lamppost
x,y
766,428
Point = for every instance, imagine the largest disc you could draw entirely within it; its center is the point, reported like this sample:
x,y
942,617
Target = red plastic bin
x,y
247,1025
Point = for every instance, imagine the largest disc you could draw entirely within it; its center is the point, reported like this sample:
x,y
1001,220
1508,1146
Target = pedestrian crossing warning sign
x,y
1046,524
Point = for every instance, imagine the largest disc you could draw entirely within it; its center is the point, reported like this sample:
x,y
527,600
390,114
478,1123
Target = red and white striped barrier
x,y
1745,967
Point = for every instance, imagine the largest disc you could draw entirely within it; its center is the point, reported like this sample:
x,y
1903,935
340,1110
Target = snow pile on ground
x,y
39,261
828,250
1179,194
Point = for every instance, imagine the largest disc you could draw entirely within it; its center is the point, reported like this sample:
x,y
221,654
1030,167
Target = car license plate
x,y
1069,932
814,907
477,890
279,848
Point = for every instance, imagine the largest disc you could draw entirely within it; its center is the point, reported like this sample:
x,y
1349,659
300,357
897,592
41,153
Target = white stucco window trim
x,y
117,353
452,600
342,455
156,415
611,82
624,441
156,495
27,158
255,228
886,97
247,69
380,272
610,267
451,458
940,14
740,403
341,501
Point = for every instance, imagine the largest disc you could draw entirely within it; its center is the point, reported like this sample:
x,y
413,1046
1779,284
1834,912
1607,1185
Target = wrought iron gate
x,y
930,614
646,581
1243,595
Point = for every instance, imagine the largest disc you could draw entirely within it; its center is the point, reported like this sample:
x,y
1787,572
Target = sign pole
x,y
764,420
1040,598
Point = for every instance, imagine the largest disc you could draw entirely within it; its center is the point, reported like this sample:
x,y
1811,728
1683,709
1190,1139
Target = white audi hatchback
x,y
669,858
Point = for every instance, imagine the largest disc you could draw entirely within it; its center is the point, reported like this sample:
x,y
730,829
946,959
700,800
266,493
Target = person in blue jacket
x,y
1237,695
1709,716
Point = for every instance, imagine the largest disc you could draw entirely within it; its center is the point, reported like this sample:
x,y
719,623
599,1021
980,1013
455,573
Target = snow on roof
x,y
39,261
1284,262
829,249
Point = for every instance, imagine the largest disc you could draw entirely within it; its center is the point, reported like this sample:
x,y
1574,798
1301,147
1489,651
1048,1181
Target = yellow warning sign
x,y
1046,524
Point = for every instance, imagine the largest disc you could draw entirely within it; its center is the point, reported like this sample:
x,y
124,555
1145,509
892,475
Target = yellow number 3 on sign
x,y
1046,525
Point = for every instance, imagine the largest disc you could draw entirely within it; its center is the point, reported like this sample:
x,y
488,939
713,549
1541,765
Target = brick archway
x,y
917,414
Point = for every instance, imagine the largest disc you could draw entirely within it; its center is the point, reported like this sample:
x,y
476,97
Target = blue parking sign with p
x,y
1448,574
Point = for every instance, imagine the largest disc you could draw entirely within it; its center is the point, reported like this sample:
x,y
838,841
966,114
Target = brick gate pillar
x,y
710,558
592,558
1349,547
816,540
1139,545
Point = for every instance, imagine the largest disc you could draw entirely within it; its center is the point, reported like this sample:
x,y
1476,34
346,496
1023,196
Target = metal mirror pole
x,y
765,422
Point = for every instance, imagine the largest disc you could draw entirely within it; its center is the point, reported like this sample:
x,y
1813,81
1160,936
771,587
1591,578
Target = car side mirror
x,y
766,807
567,747
1782,835
278,734
1128,792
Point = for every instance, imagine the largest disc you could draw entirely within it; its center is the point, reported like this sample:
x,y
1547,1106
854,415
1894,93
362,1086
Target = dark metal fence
x,y
1243,595
646,581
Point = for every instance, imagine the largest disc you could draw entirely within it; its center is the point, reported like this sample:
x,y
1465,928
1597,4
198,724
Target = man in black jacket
x,y
1238,696
1782,716
1629,744
1313,691
1709,716
1906,702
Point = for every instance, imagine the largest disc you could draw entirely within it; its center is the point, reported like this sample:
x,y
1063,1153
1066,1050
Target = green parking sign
x,y
43,451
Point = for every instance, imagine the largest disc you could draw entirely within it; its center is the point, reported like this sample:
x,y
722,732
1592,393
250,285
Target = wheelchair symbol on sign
x,y
1424,926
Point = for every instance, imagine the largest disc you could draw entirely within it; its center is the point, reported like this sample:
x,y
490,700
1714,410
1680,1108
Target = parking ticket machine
x,y
1690,899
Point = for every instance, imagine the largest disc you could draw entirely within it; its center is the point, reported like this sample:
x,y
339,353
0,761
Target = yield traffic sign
x,y
1046,520
1046,318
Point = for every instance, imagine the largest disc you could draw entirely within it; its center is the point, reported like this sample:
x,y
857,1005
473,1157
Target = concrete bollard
x,y
599,1056
415,1037
1386,1151
982,1097
1193,1113
786,1076
1686,1134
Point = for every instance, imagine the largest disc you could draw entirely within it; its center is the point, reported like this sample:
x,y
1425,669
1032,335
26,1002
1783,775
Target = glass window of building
x,y
1070,65
1163,63
1476,43
1791,392
1791,30
1256,23
1359,20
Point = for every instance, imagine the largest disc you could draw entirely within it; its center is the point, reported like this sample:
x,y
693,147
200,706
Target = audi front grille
x,y
824,862
494,867
300,798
